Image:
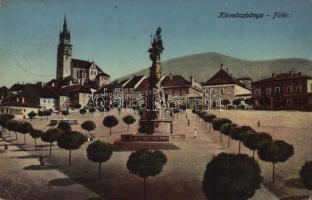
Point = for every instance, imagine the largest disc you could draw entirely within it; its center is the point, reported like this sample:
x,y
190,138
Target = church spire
x,y
65,25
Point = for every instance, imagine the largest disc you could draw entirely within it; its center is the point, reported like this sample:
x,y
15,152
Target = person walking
x,y
194,133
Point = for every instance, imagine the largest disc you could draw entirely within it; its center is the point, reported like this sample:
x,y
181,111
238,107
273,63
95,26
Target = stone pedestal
x,y
156,126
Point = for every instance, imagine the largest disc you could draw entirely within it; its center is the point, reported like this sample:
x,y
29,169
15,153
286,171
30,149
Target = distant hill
x,y
203,66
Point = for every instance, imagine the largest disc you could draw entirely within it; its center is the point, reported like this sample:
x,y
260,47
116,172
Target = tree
x,y
32,115
24,128
64,126
65,113
250,101
88,126
83,111
217,124
35,134
237,102
92,110
12,125
40,114
239,133
4,118
225,129
231,176
306,175
225,102
274,152
99,152
264,138
129,119
110,121
209,119
70,140
145,163
251,142
50,136
47,113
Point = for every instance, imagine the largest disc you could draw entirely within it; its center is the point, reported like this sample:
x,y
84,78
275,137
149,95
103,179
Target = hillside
x,y
202,66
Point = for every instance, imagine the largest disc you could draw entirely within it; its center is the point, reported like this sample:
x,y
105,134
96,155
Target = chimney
x,y
221,66
231,74
273,75
227,70
192,80
170,76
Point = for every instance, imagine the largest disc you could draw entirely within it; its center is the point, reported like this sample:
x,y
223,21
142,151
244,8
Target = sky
x,y
116,33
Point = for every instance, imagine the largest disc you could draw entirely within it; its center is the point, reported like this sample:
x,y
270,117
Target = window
x,y
288,101
257,92
268,91
289,89
277,90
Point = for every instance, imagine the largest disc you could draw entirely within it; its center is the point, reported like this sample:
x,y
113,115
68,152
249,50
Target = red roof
x,y
134,81
76,88
144,85
84,64
175,81
285,76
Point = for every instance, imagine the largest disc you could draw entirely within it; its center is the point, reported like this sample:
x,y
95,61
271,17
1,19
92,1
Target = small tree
x,y
4,118
65,113
88,126
306,175
32,115
110,121
225,129
70,140
47,113
251,142
24,128
209,119
277,151
145,163
64,126
250,101
231,176
99,152
237,102
40,114
264,138
239,133
129,119
35,134
83,111
92,110
225,102
12,125
50,136
217,124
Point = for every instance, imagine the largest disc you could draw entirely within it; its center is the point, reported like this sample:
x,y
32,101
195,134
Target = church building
x,y
77,71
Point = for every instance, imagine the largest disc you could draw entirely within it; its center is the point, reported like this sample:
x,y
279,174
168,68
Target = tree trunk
x,y
144,188
99,175
50,148
110,131
209,127
239,146
229,139
273,173
35,144
24,138
69,159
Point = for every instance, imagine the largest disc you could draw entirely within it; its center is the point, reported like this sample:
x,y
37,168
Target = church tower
x,y
64,53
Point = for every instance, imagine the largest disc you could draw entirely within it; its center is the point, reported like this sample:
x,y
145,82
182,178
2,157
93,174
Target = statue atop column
x,y
156,98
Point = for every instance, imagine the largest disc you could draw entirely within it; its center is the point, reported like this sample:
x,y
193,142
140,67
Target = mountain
x,y
203,66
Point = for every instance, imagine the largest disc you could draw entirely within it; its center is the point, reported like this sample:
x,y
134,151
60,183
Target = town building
x,y
3,93
292,90
19,108
79,95
222,87
76,71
